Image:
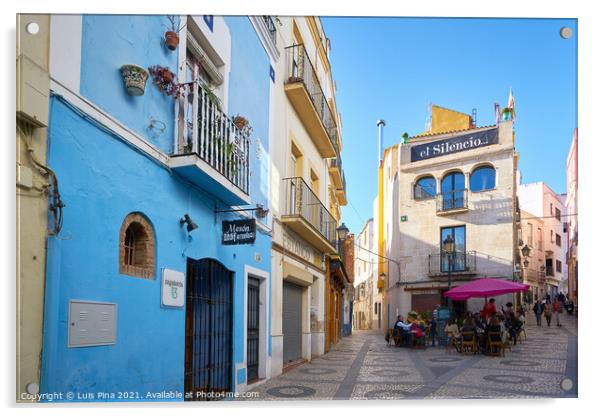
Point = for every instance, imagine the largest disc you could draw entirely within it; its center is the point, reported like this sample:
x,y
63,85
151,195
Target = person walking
x,y
547,312
557,309
538,310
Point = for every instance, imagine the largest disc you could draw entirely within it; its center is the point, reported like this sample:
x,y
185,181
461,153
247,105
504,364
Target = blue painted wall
x,y
102,180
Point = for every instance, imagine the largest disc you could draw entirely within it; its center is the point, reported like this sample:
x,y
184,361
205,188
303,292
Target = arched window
x,y
137,247
482,179
425,188
452,190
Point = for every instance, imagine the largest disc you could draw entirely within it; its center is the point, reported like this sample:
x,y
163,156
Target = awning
x,y
296,274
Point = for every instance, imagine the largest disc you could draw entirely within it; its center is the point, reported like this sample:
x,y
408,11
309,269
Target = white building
x,y
461,184
542,202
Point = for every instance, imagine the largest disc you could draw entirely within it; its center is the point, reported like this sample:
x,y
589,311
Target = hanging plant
x,y
134,79
172,39
163,78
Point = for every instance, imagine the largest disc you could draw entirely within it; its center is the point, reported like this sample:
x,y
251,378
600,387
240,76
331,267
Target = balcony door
x,y
458,258
452,190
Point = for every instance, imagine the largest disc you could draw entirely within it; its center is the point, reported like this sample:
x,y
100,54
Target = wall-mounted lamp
x,y
261,212
190,225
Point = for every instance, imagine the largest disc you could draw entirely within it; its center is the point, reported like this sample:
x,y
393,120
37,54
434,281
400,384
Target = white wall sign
x,y
173,290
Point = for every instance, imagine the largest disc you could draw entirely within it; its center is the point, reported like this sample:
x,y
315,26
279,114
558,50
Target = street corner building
x,y
455,180
159,132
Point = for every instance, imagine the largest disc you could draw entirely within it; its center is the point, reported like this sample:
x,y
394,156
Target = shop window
x,y
137,247
482,179
425,188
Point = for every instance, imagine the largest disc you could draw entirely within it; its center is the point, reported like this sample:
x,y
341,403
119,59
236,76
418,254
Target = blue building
x,y
158,283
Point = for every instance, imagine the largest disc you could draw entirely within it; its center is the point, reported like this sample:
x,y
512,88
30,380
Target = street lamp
x,y
342,232
526,250
449,247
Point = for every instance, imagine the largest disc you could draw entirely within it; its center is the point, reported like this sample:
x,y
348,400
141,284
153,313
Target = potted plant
x,y
163,78
172,39
134,78
240,121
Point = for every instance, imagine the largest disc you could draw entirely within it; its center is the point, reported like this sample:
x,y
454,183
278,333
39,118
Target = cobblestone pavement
x,y
363,367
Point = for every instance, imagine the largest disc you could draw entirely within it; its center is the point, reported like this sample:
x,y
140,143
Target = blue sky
x,y
392,68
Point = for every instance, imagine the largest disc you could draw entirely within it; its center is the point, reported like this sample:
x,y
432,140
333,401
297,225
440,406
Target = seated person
x,y
418,331
480,324
451,329
509,309
469,325
494,326
402,329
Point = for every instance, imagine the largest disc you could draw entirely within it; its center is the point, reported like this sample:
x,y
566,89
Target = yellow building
x,y
308,189
32,189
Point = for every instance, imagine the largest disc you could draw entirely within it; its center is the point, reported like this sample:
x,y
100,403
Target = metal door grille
x,y
253,329
208,367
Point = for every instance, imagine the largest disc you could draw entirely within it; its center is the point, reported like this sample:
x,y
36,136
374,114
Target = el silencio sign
x,y
454,145
238,232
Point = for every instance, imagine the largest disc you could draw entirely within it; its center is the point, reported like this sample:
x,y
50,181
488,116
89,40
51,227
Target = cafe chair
x,y
522,335
451,342
469,343
495,345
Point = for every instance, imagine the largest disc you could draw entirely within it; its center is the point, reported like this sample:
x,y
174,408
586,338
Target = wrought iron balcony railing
x,y
300,69
451,201
462,262
215,138
302,202
270,26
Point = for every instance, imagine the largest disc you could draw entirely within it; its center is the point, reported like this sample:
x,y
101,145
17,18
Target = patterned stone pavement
x,y
363,367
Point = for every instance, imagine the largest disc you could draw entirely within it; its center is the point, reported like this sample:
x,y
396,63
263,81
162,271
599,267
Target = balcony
x,y
462,264
305,215
452,202
342,192
270,26
307,97
337,174
212,152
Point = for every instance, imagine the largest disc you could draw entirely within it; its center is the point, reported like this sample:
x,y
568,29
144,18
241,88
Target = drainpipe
x,y
380,124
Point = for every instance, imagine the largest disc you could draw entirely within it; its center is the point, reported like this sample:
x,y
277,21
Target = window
x,y
530,235
482,179
558,240
539,239
375,308
137,247
558,266
549,267
557,214
552,237
452,190
425,188
458,260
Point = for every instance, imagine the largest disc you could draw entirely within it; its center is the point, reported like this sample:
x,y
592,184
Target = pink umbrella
x,y
486,287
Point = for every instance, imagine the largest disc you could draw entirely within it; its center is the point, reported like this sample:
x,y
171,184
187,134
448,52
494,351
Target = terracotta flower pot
x,y
134,78
171,40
